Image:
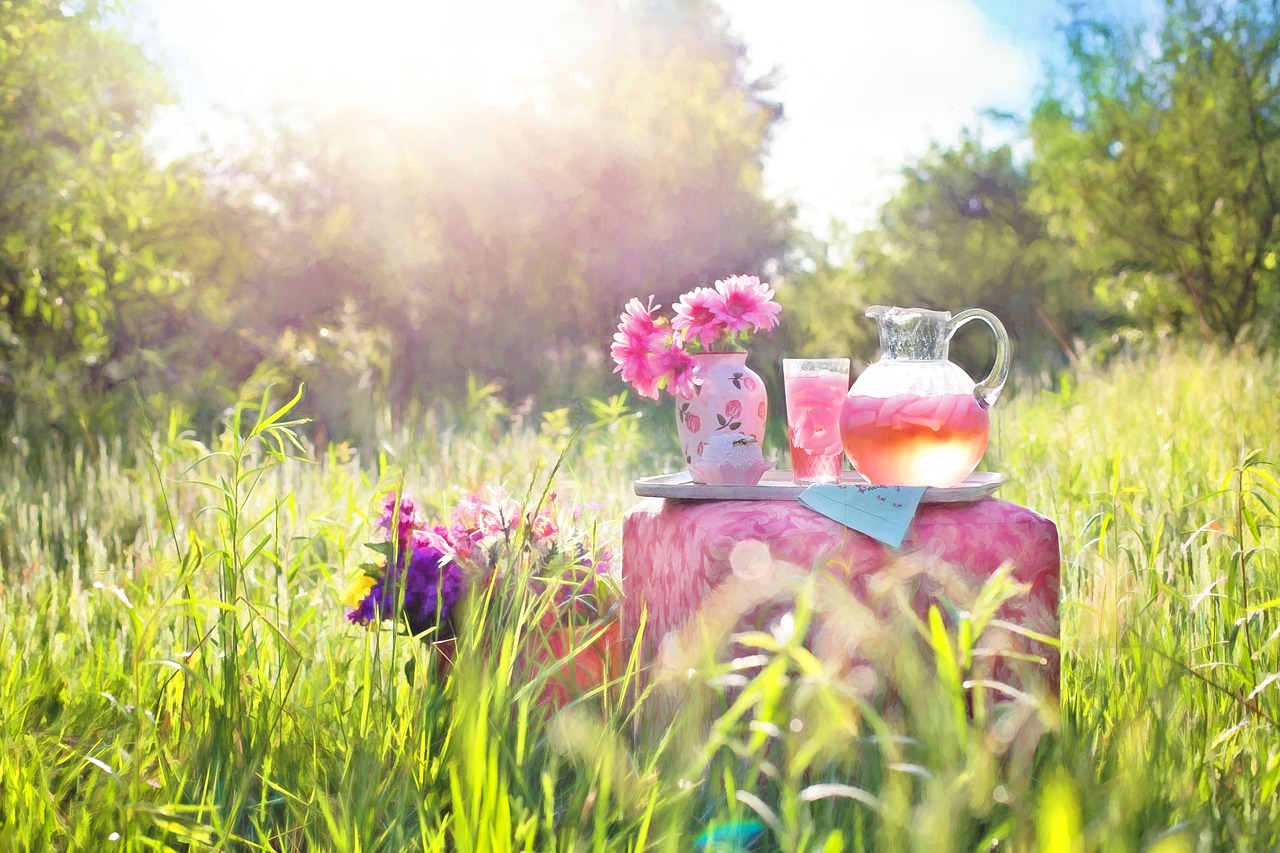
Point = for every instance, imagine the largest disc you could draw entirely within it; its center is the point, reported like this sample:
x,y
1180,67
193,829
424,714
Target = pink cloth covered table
x,y
683,559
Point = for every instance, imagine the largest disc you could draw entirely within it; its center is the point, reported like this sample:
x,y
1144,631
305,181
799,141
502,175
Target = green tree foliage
x,y
365,245
1160,165
91,233
958,233
502,238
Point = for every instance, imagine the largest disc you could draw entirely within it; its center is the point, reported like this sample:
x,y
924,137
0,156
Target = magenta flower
x,y
466,513
466,545
637,362
677,366
635,345
747,304
543,529
501,517
495,516
698,316
650,352
421,573
638,320
407,520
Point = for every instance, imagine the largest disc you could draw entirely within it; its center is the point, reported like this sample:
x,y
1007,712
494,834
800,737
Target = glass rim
x,y
815,365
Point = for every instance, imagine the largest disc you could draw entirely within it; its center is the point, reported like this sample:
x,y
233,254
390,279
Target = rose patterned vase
x,y
729,398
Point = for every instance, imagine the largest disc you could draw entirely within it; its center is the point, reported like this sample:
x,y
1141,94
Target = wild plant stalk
x,y
249,451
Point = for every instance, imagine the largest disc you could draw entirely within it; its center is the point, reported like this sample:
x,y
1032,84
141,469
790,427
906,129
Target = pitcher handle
x,y
988,390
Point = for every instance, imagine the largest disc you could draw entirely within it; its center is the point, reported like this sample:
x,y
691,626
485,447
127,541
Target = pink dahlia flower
x,y
635,346
747,305
698,316
638,321
636,360
676,366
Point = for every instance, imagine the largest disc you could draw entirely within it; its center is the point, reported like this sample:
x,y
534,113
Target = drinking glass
x,y
815,390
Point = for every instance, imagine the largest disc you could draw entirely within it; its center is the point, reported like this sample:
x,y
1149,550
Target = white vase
x,y
728,397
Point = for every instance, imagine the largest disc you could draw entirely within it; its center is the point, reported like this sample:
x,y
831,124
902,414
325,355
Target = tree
x,y
1160,165
85,255
503,239
958,233
362,247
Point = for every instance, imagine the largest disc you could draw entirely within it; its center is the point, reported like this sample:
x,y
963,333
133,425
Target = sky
x,y
865,84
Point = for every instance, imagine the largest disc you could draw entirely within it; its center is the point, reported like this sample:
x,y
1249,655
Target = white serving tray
x,y
779,486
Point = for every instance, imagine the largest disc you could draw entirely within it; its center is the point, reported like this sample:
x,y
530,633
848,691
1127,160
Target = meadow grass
x,y
178,672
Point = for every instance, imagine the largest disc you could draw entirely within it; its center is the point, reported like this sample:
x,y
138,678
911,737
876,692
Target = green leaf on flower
x,y
386,549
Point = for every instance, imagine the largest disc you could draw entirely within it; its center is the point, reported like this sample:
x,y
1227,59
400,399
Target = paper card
x,y
882,512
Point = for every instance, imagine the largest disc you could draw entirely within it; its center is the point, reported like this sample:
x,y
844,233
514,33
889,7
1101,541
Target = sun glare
x,y
247,52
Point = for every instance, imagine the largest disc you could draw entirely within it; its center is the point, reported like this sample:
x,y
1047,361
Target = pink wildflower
x,y
492,517
698,316
747,304
466,549
438,537
466,513
543,530
504,519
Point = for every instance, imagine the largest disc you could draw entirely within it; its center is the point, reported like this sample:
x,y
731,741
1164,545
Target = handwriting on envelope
x,y
882,512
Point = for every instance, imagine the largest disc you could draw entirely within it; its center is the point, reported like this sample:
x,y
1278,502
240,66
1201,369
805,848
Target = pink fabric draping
x,y
719,560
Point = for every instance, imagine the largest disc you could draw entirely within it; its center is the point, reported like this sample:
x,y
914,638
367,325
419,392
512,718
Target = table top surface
x,y
780,485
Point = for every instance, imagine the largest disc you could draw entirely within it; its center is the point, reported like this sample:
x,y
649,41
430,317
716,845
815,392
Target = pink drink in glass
x,y
907,440
813,423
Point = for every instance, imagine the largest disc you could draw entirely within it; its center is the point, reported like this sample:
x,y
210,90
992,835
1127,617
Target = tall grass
x,y
178,672
1161,476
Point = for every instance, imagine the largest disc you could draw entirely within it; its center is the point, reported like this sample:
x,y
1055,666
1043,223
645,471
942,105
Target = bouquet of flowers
x,y
655,353
420,572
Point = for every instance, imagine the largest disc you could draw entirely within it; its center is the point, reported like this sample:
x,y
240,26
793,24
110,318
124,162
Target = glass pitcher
x,y
914,418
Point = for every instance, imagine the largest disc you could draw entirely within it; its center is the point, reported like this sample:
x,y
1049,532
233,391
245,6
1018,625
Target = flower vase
x,y
728,397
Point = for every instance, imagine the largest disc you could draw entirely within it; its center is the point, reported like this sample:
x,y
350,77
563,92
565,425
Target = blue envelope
x,y
882,512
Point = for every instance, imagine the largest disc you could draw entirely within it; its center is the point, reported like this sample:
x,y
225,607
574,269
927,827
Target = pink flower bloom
x,y
747,304
438,538
637,319
500,517
494,517
649,385
677,368
649,351
635,359
635,345
698,316
466,513
542,530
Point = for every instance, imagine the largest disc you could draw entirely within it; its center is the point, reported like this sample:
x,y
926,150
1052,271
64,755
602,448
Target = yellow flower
x,y
359,588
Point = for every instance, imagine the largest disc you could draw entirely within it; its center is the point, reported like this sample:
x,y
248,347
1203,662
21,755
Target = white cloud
x,y
866,85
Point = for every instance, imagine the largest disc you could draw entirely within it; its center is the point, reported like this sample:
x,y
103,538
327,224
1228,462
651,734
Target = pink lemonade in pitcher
x,y
813,425
911,440
914,418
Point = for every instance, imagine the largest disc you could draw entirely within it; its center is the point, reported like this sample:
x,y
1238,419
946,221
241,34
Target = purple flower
x,y
423,583
433,584
366,611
